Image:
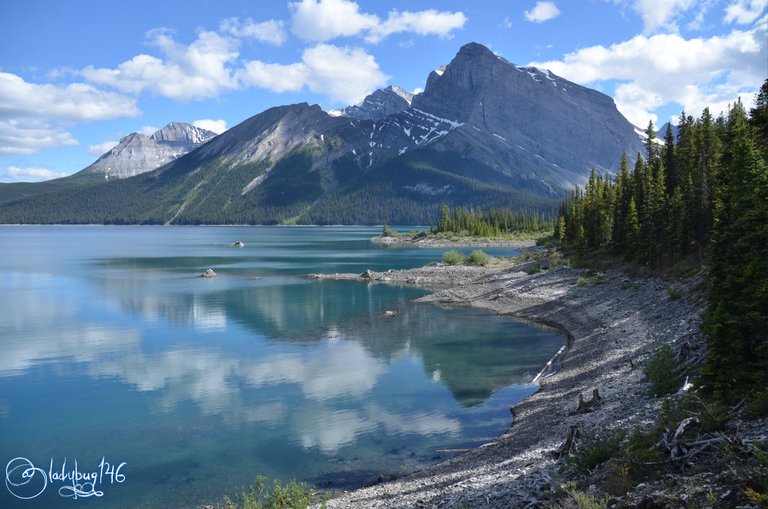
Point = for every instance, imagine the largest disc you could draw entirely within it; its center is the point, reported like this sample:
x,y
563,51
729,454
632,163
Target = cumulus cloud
x,y
667,68
76,102
745,11
345,75
31,174
271,32
29,135
659,14
200,70
542,11
429,22
102,148
323,20
215,126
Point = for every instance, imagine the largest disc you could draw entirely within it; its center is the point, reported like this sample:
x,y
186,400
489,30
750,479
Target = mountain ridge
x,y
137,153
484,133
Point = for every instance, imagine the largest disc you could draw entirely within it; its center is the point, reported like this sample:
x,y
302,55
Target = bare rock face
x,y
137,153
542,132
380,104
531,121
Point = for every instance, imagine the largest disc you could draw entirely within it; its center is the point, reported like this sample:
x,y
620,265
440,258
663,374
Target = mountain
x,y
379,105
137,153
484,133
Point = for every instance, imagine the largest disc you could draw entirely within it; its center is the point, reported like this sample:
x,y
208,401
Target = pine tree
x,y
737,320
632,227
758,119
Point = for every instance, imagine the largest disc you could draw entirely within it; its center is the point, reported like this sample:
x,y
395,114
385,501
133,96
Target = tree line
x,y
701,195
492,223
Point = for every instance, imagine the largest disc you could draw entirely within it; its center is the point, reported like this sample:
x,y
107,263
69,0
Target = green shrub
x,y
387,232
581,281
453,258
478,257
291,496
594,452
580,500
758,404
660,371
674,292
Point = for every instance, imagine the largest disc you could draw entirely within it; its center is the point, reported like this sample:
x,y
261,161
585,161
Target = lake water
x,y
113,350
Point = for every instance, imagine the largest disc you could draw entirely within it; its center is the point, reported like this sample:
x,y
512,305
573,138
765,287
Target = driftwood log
x,y
548,364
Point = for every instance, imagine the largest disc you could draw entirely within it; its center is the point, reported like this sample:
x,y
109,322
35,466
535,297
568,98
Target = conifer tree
x,y
737,321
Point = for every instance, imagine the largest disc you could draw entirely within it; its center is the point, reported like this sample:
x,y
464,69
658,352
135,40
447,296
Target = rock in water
x,y
208,273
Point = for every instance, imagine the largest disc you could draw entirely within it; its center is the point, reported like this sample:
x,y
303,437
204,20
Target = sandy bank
x,y
616,322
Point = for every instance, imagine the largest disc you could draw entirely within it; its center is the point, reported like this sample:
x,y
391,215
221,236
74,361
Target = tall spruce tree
x,y
737,320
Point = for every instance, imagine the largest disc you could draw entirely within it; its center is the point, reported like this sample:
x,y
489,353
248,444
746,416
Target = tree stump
x,y
569,444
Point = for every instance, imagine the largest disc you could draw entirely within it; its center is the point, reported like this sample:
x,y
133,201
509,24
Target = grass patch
x,y
581,500
594,452
261,496
592,278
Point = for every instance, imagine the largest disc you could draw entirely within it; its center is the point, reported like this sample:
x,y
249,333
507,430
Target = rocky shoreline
x,y
615,323
424,241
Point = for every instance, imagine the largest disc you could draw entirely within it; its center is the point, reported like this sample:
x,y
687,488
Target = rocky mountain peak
x,y
380,104
183,133
137,153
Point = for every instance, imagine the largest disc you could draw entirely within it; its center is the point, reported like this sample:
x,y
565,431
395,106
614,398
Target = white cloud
x,y
216,126
271,32
198,71
322,20
275,77
31,174
658,14
29,135
744,11
666,68
102,148
148,130
542,11
429,22
345,75
76,102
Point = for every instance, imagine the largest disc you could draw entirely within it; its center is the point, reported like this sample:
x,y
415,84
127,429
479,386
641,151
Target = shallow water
x,y
113,349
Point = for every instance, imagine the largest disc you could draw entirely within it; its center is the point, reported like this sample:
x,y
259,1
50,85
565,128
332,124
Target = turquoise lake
x,y
172,390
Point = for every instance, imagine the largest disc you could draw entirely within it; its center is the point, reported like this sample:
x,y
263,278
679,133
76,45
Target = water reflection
x,y
48,327
259,370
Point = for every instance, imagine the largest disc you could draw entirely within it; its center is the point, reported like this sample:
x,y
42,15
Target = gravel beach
x,y
615,322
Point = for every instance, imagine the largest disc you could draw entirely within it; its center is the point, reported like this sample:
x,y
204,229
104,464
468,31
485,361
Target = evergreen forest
x,y
699,196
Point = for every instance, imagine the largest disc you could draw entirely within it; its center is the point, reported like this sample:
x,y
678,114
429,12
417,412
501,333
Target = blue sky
x,y
77,76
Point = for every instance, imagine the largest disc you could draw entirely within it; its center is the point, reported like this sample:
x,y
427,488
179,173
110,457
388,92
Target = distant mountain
x,y
379,105
137,153
661,134
484,133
